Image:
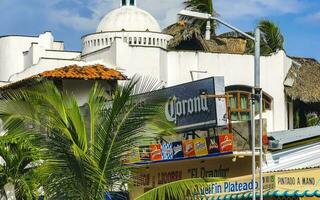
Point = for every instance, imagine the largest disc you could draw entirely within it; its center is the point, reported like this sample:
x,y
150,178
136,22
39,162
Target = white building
x,y
130,39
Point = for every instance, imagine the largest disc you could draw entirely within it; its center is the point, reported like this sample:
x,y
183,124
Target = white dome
x,y
128,18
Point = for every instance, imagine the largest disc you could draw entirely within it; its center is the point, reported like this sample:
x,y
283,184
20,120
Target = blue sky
x,y
299,20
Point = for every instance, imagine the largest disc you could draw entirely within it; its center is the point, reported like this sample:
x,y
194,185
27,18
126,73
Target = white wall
x,y
81,88
97,41
44,64
237,70
131,60
18,53
11,54
173,67
61,54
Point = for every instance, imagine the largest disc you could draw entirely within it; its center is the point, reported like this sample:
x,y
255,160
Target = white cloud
x,y
68,17
313,18
166,11
235,9
73,20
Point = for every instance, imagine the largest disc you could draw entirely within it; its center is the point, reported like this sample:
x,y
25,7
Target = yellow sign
x,y
282,183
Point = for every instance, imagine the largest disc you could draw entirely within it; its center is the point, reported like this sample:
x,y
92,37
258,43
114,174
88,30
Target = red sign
x,y
155,152
265,139
226,143
188,148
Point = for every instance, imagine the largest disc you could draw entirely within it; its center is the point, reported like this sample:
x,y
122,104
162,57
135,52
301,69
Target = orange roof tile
x,y
84,72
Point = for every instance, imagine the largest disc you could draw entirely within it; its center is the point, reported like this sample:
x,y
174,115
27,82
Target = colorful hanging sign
x,y
155,152
145,153
177,149
188,148
167,151
200,146
134,155
212,144
225,143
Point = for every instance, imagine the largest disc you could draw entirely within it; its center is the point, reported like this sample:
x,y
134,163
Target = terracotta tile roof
x,y
85,72
89,72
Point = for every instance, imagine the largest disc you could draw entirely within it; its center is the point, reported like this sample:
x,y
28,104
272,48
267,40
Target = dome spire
x,y
128,3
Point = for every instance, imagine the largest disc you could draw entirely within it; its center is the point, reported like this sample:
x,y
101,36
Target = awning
x,y
277,193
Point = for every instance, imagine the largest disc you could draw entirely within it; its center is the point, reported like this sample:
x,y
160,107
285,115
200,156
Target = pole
x,y
258,93
208,30
253,144
260,147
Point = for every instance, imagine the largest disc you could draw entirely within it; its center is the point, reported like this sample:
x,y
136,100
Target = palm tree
x,y
84,147
272,39
19,160
203,6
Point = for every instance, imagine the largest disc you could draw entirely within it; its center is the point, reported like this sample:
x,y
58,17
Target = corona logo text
x,y
176,108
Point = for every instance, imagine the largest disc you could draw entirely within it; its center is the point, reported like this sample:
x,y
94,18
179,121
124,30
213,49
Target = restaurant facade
x,y
204,147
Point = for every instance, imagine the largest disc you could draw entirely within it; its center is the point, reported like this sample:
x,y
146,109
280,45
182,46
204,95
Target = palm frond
x,y
272,39
182,189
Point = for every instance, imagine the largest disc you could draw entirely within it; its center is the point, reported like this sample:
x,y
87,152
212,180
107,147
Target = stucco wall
x,y
11,54
237,70
81,88
44,64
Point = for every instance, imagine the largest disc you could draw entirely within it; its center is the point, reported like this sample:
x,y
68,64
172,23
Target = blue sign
x,y
189,108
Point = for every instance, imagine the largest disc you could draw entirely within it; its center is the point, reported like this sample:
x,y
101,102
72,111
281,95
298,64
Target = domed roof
x,y
128,18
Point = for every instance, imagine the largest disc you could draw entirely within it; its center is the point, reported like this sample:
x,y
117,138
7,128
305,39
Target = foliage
x,y
20,156
203,6
84,147
272,39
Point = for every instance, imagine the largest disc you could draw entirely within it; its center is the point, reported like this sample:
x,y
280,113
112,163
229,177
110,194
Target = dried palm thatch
x,y
189,37
306,85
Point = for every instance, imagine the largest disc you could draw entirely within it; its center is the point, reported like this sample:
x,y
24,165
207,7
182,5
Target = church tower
x,y
128,3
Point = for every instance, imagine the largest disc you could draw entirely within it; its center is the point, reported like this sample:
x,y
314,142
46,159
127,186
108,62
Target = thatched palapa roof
x,y
189,37
306,81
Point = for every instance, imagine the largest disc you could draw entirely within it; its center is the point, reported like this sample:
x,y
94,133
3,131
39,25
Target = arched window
x,y
239,102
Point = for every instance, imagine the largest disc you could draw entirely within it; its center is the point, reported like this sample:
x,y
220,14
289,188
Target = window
x,y
94,42
102,42
149,41
144,41
124,2
132,2
239,105
98,42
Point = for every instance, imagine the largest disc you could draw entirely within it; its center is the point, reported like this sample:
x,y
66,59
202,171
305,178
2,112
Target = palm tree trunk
x,y
10,191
